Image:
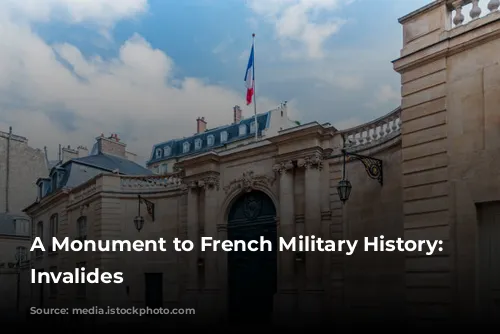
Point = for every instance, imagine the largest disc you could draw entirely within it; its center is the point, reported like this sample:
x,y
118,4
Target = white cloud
x,y
101,12
44,86
295,20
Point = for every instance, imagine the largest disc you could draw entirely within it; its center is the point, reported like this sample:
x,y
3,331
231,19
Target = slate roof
x,y
176,145
79,170
111,162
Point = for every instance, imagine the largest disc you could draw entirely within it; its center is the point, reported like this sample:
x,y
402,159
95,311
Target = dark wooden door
x,y
154,290
252,276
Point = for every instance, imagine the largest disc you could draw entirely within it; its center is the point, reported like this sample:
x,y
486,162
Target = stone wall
x,y
450,140
27,164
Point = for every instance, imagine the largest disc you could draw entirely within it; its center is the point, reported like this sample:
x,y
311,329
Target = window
x,y
185,147
81,288
54,229
223,136
21,254
210,140
158,153
22,227
243,130
81,228
167,151
163,168
39,234
53,289
197,144
252,127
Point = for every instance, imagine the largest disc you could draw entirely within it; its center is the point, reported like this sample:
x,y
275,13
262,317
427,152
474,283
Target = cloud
x,y
100,12
134,94
298,21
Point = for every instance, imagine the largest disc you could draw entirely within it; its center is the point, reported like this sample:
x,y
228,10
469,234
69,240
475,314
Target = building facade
x,y
241,131
427,170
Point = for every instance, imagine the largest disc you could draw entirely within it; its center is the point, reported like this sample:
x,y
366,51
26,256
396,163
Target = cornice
x,y
446,48
47,202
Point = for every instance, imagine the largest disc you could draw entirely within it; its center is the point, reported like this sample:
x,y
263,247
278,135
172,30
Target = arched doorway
x,y
252,276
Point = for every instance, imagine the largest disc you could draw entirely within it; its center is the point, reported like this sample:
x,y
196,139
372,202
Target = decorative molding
x,y
83,209
310,162
299,219
221,227
326,215
283,167
86,192
249,181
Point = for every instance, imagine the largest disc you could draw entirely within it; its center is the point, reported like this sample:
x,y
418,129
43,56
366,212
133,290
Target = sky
x,y
146,69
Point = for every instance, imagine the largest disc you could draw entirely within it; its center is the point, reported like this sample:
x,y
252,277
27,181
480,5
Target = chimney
x,y
237,114
111,145
83,151
201,125
67,153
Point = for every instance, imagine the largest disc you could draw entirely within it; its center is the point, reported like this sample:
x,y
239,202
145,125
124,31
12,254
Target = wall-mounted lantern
x,y
150,207
373,167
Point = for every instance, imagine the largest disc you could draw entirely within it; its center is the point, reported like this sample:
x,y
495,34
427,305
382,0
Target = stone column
x,y
193,234
311,302
211,298
286,296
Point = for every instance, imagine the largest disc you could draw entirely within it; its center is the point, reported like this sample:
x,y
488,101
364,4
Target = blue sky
x,y
148,69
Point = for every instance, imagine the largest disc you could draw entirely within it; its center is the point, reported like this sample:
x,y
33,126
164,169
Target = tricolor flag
x,y
250,78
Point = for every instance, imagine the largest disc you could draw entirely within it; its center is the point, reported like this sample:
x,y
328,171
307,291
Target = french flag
x,y
250,78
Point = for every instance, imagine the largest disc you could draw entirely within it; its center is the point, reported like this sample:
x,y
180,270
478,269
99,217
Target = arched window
x,y
54,228
243,130
81,228
223,136
185,147
210,140
197,144
39,234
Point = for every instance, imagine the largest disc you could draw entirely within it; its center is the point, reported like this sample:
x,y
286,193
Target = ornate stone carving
x,y
211,182
249,181
283,167
313,161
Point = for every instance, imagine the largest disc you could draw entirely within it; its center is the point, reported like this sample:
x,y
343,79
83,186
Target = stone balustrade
x,y
463,11
150,182
374,132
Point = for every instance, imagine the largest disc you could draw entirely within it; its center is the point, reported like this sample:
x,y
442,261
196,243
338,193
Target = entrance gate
x,y
252,276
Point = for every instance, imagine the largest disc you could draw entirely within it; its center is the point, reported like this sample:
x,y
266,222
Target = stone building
x,y
20,166
427,170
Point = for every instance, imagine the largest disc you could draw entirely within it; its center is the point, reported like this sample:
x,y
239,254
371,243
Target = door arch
x,y
252,276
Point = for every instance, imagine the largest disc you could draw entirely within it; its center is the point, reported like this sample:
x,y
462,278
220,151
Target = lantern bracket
x,y
373,166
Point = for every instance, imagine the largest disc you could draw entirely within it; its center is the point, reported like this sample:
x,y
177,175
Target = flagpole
x,y
254,91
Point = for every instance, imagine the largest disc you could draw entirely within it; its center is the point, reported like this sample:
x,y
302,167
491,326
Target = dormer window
x,y
223,136
40,190
252,127
167,150
210,140
197,144
185,147
243,130
158,153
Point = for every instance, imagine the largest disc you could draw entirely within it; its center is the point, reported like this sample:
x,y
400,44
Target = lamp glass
x,y
139,222
344,190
